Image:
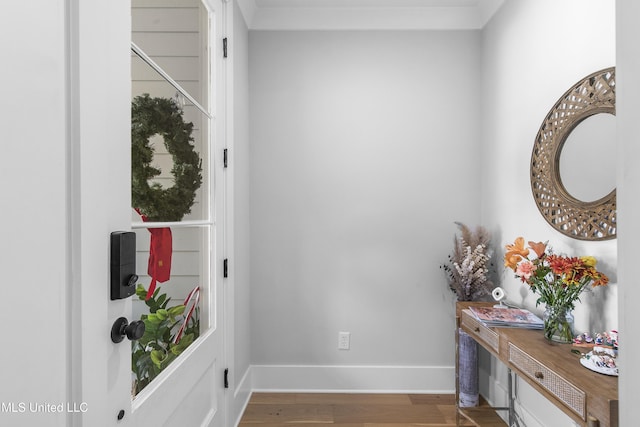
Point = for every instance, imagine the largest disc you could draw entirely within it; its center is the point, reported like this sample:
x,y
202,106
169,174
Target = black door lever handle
x,y
121,328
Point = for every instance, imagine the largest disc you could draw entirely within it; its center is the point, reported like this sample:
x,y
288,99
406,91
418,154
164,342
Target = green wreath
x,y
151,116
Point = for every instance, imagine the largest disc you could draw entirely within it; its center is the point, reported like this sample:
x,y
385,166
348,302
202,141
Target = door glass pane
x,y
174,34
174,303
171,182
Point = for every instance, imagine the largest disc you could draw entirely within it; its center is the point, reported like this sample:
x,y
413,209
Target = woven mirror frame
x,y
596,220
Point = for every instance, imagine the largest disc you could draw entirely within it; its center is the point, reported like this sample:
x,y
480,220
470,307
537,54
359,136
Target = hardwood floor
x,y
349,410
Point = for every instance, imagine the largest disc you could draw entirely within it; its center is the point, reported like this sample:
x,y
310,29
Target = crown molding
x,y
368,14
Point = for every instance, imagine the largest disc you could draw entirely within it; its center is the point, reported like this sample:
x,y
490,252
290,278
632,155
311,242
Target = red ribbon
x,y
160,251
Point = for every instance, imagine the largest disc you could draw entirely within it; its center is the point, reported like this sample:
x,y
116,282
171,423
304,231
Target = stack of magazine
x,y
507,317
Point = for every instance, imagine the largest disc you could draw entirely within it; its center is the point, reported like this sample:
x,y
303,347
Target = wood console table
x,y
589,398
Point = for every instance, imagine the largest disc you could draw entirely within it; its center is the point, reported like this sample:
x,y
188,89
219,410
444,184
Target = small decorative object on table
x,y
604,339
558,280
602,360
603,353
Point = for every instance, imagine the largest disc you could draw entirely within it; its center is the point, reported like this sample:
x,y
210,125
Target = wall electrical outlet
x,y
344,340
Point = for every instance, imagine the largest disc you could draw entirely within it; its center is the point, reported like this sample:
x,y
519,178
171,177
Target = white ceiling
x,y
367,14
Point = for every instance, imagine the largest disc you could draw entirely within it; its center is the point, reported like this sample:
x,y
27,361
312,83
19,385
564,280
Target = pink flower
x,y
525,269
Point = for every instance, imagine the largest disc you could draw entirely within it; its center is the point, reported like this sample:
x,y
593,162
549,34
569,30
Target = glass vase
x,y
558,324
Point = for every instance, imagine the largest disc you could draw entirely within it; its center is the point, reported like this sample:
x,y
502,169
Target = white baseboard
x,y
353,379
241,396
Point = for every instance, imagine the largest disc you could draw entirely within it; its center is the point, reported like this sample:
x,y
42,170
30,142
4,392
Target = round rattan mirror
x,y
593,220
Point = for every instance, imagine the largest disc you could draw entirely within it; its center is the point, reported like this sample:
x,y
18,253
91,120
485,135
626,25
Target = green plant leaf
x,y
161,300
157,357
185,342
141,292
154,319
177,310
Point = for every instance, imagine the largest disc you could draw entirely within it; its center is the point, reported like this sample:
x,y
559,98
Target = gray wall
x,y
241,241
530,58
532,52
365,149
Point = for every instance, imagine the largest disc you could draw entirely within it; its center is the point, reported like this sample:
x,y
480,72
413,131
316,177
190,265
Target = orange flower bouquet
x,y
558,280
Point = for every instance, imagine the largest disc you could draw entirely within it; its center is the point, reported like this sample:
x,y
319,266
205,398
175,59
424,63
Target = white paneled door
x,y
190,390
